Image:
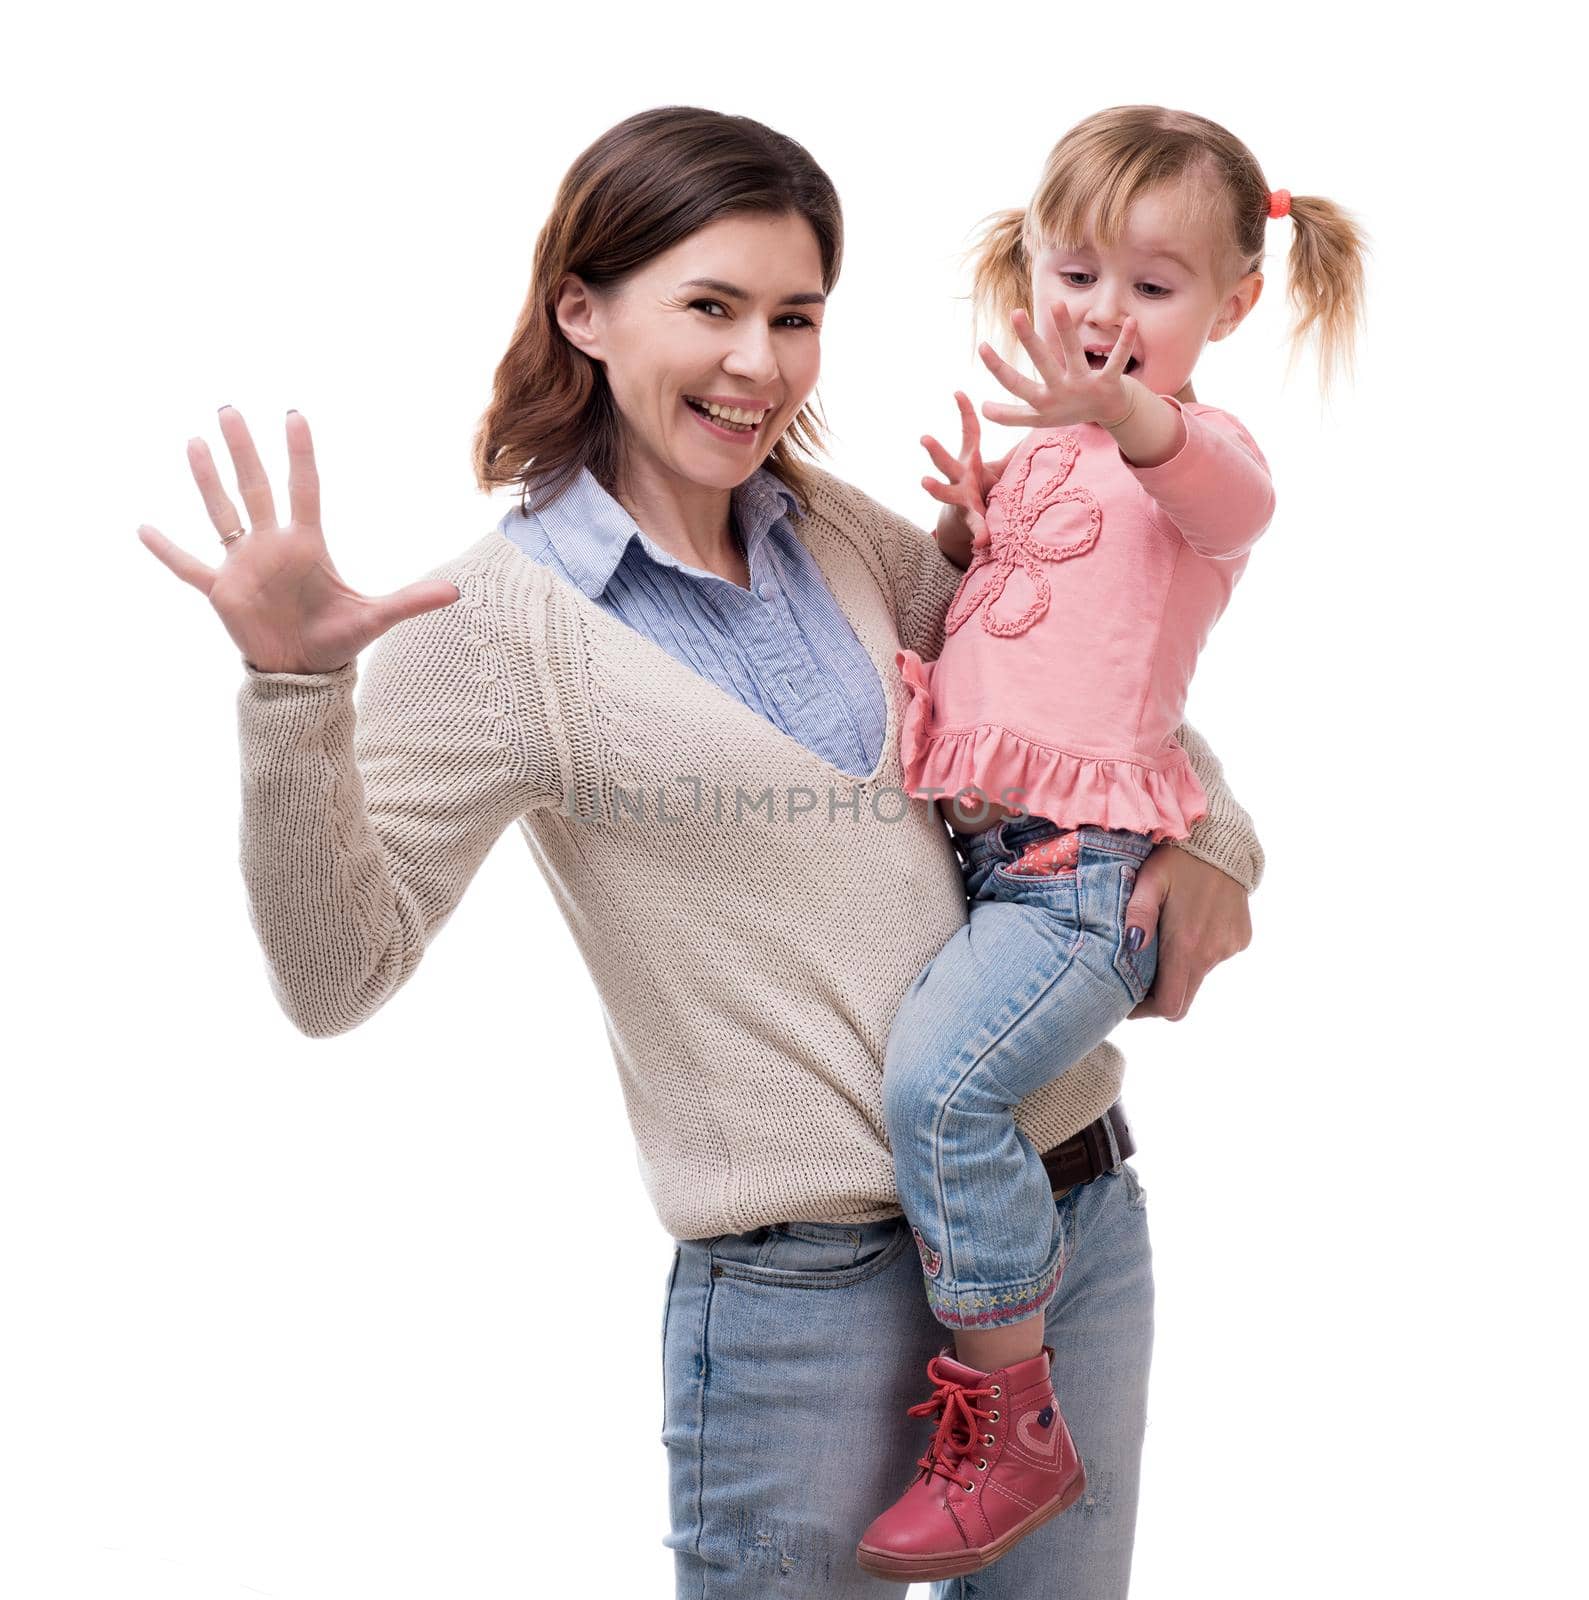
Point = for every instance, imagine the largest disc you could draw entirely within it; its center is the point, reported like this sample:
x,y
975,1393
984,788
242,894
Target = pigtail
x,y
1001,278
1325,283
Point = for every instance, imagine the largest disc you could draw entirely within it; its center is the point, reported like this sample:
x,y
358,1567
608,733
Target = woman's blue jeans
x,y
791,1354
790,1358
1037,976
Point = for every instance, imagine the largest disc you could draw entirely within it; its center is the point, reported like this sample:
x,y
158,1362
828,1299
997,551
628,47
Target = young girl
x,y
1106,548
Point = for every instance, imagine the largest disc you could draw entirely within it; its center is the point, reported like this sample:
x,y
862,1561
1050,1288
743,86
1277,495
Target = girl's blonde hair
x,y
1107,160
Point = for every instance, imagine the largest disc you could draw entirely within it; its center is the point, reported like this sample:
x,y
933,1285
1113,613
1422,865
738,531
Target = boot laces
x,y
957,1427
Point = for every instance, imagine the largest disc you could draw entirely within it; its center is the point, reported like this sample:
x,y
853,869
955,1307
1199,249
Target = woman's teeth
x,y
728,416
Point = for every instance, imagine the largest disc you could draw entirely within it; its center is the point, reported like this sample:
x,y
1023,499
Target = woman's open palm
x,y
276,590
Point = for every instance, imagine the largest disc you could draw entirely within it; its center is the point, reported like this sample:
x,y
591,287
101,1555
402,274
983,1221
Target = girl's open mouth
x,y
1096,358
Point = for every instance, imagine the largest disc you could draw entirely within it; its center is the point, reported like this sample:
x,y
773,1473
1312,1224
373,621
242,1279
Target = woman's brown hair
x,y
1107,160
643,186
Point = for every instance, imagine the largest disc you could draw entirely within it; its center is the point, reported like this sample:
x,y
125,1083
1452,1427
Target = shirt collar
x,y
590,530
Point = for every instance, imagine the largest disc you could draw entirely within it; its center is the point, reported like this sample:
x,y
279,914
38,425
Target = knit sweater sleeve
x,y
1225,838
362,826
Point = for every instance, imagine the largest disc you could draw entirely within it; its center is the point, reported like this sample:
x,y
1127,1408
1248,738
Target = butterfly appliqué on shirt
x,y
1054,523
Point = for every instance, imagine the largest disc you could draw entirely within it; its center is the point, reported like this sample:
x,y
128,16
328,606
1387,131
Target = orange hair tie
x,y
1279,203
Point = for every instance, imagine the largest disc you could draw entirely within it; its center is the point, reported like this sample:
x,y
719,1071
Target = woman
x,y
672,665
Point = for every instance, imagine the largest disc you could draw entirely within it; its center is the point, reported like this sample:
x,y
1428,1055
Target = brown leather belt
x,y
1099,1147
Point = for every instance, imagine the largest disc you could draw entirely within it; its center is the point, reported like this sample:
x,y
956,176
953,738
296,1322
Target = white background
x,y
379,1315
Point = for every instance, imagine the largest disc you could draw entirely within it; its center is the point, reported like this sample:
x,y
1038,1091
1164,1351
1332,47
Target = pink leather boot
x,y
1000,1465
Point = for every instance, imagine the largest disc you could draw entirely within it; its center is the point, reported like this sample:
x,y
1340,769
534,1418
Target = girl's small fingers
x,y
940,491
1122,350
1045,358
188,568
1065,332
1010,416
970,429
1012,380
941,459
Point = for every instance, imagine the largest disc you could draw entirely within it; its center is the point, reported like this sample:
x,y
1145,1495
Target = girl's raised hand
x,y
1066,390
969,478
280,598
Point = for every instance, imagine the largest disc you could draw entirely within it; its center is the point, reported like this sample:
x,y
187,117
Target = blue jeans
x,y
1039,974
790,1356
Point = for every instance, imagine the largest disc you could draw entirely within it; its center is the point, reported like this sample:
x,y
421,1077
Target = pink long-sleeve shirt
x,y
1071,642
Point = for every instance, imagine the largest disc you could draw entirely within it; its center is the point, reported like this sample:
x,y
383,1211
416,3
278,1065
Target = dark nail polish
x,y
1134,940
220,409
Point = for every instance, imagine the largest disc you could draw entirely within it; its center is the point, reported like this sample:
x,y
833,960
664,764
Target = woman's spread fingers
x,y
303,476
188,568
252,483
222,513
429,594
1012,380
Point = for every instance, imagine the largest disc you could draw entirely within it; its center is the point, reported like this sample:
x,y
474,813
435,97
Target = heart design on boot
x,y
1036,1431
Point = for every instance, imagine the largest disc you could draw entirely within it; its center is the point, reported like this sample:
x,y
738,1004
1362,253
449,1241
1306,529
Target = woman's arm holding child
x,y
1193,892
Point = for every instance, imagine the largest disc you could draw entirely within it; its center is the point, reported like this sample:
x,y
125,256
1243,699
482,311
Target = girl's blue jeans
x,y
1039,974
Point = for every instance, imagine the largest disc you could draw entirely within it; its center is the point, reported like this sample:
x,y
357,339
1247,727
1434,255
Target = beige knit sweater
x,y
751,915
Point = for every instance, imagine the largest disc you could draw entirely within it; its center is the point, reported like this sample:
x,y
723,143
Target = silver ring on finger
x,y
232,537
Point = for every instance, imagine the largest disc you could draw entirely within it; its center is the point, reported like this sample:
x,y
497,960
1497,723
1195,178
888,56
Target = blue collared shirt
x,y
783,646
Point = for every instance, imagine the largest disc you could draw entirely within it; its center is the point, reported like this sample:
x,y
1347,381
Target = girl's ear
x,y
1241,300
579,315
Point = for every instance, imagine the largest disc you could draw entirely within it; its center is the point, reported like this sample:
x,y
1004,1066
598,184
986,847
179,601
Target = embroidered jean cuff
x,y
976,1307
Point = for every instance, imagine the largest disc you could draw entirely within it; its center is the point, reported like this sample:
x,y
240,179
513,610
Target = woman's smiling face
x,y
1157,272
729,318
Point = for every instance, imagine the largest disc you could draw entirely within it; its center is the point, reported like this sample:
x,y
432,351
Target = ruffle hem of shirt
x,y
1070,790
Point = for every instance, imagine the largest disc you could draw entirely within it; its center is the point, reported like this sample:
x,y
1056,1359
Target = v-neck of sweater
x,y
623,640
